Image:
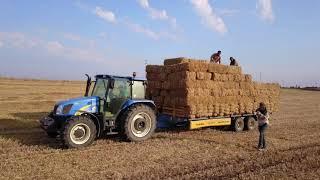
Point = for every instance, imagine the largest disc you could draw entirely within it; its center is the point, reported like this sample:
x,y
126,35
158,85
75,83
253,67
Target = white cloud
x,y
55,47
227,12
265,11
209,17
157,14
102,35
72,37
83,54
18,40
149,32
140,29
144,3
105,15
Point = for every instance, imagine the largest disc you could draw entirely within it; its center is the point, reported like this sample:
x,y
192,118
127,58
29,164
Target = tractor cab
x,y
114,92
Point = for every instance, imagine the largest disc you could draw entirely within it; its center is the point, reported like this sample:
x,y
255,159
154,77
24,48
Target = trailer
x,y
236,123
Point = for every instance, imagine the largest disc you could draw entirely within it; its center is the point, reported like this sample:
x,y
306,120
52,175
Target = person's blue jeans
x,y
262,140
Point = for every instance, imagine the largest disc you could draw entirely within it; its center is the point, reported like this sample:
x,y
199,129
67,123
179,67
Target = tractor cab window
x,y
118,95
100,88
121,89
138,90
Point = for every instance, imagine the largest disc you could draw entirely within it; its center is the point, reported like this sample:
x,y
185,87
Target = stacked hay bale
x,y
191,88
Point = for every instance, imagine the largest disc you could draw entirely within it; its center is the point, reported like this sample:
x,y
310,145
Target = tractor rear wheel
x,y
249,123
237,124
79,131
138,123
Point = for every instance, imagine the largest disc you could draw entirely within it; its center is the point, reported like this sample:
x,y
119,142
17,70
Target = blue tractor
x,y
112,105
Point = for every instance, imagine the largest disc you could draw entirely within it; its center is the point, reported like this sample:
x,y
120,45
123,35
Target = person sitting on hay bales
x,y
233,62
215,58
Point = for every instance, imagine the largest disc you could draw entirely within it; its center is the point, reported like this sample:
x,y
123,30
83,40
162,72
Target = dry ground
x,y
27,153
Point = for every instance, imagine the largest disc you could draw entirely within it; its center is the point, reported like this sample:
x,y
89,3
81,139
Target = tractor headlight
x,y
64,109
59,110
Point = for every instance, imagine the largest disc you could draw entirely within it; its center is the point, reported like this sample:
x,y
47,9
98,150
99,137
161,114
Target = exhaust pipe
x,y
88,85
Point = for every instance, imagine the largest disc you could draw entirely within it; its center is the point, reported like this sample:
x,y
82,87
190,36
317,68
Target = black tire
x,y
237,124
138,123
81,126
52,134
249,123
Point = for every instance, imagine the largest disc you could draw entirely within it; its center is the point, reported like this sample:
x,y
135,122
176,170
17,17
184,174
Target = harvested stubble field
x,y
27,153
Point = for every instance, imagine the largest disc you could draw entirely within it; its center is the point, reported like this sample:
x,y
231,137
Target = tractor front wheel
x,y
79,131
138,123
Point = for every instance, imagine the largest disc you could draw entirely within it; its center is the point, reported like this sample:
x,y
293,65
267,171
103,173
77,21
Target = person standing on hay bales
x,y
233,62
216,58
263,122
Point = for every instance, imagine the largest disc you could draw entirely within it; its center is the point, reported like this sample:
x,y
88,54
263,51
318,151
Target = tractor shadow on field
x,y
24,129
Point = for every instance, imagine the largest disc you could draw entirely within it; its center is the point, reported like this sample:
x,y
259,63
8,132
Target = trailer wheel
x,y
238,124
79,131
249,123
138,123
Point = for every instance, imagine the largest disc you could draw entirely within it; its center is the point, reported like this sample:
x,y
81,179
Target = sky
x,y
274,40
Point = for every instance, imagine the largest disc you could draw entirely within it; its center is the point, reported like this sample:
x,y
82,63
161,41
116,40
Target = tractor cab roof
x,y
105,76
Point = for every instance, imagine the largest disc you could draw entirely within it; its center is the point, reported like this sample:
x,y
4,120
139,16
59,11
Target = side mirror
x,y
111,85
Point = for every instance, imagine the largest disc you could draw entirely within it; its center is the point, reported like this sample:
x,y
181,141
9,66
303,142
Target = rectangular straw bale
x,y
245,85
208,76
172,61
169,69
237,77
164,93
223,77
156,76
217,68
216,77
155,84
233,70
179,60
188,75
200,75
199,66
203,66
171,76
154,68
158,100
248,78
242,78
231,77
152,92
180,93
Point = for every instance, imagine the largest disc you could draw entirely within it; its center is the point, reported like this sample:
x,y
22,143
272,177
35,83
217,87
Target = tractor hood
x,y
77,106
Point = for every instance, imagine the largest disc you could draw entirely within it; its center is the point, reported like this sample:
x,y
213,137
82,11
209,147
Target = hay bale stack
x,y
195,88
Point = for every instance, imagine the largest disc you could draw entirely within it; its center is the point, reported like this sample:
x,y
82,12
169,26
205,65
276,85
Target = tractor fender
x,y
96,121
131,102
